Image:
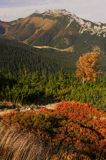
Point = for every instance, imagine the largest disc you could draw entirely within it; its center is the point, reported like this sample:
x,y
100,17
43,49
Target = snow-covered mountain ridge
x,y
85,26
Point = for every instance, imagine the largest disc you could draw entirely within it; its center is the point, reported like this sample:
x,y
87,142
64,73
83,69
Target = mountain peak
x,y
50,25
57,12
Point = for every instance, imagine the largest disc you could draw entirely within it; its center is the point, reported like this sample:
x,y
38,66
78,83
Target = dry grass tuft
x,y
17,145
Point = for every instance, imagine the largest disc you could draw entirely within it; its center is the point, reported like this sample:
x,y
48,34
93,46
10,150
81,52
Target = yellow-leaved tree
x,y
87,68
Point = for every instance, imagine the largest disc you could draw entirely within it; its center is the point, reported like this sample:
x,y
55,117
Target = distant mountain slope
x,y
15,55
56,31
57,28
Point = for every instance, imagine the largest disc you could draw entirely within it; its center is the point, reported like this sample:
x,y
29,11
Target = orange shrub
x,y
72,127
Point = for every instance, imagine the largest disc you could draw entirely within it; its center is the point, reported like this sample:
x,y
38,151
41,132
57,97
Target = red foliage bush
x,y
74,125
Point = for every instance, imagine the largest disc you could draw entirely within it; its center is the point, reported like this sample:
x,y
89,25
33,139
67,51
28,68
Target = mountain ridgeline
x,y
53,34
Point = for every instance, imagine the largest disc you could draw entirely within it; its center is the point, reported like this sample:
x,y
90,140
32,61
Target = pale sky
x,y
94,10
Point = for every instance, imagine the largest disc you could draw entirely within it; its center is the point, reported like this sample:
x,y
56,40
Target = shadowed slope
x,y
14,56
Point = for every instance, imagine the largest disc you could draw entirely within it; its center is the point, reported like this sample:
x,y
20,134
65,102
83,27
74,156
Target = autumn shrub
x,y
72,130
87,66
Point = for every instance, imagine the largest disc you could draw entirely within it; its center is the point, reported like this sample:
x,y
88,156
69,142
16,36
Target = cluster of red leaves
x,y
79,125
82,113
91,122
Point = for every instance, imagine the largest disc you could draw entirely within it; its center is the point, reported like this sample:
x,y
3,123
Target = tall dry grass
x,y
19,145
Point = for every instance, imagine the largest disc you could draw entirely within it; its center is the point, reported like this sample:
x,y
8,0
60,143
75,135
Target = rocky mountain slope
x,y
58,29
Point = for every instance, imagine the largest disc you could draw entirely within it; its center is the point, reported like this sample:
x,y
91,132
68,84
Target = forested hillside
x,y
27,76
15,56
40,89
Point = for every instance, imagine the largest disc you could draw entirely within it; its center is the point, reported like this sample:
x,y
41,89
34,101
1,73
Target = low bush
x,y
71,131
